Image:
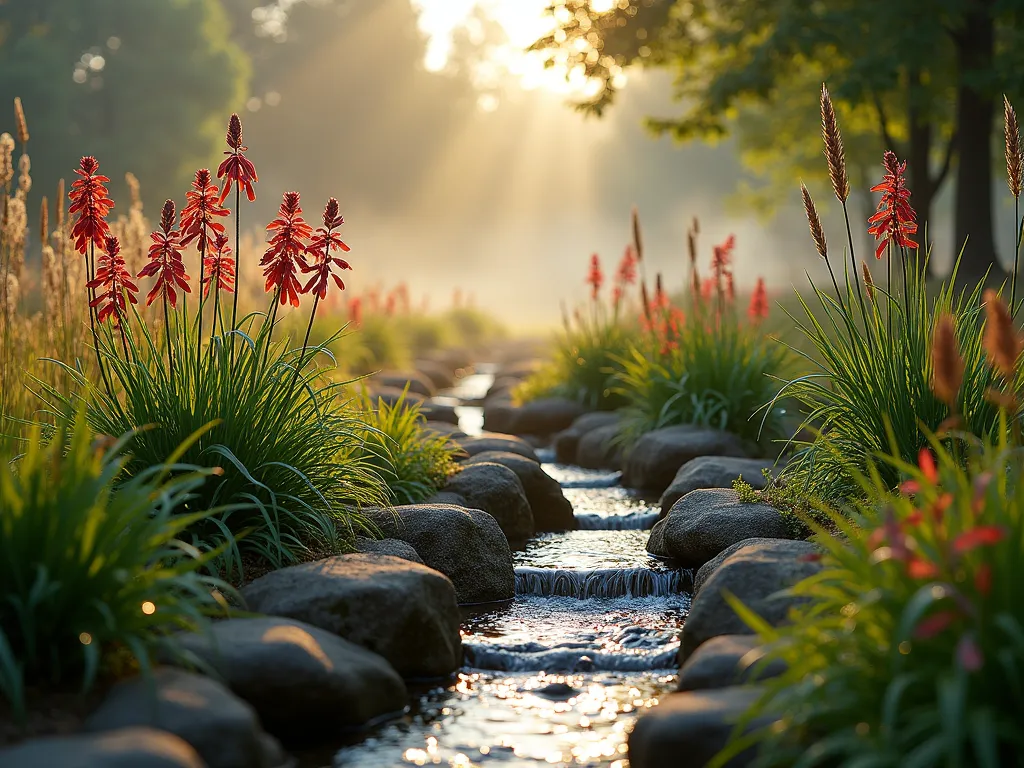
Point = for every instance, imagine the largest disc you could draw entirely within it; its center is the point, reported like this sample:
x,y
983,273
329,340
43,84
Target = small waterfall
x,y
601,582
566,659
639,521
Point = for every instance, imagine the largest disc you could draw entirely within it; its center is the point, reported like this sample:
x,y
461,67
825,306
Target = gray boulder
x,y
497,491
441,375
566,441
551,510
704,572
545,416
499,414
302,681
757,574
653,462
714,472
418,383
222,728
466,545
443,412
125,748
451,431
403,611
492,441
727,660
393,547
597,449
686,730
704,523
392,396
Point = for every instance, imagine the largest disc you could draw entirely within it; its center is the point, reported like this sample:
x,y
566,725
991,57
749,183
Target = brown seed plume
x,y
814,222
638,241
19,121
1002,341
947,363
60,205
869,283
44,220
1013,150
834,153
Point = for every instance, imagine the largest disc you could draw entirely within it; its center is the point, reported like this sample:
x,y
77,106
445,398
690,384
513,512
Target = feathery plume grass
x,y
638,240
6,159
1002,341
869,281
19,121
834,153
947,362
814,222
1013,149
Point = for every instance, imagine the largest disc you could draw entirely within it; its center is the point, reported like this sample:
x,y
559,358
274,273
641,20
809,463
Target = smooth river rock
x,y
223,729
727,660
403,611
551,510
714,472
757,573
416,382
702,524
124,748
599,449
566,442
304,682
653,462
493,441
393,547
466,545
497,491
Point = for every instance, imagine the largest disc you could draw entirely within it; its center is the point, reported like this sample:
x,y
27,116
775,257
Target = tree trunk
x,y
923,186
975,116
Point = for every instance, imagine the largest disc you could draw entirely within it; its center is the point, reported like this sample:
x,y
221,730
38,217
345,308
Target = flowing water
x,y
556,676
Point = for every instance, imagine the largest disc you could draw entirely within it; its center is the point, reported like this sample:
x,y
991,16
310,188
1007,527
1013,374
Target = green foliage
x,y
154,54
86,552
472,327
910,647
280,437
413,460
715,373
587,358
870,389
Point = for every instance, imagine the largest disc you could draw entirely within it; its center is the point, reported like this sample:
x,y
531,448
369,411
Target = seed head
x,y
869,283
167,216
1013,148
6,159
234,134
834,153
814,222
947,363
60,205
19,121
638,243
1002,341
44,220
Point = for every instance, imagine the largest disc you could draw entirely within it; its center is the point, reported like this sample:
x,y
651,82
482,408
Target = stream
x,y
557,675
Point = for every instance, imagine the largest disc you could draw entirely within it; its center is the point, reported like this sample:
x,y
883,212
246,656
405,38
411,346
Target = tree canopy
x,y
923,81
145,85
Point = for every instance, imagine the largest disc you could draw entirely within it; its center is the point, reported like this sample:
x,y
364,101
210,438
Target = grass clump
x,y
91,562
414,461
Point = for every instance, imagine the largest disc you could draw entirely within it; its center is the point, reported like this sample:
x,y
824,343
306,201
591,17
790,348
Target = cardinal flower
x,y
199,219
626,273
758,309
287,244
595,277
165,260
895,221
237,169
323,265
91,202
113,277
220,267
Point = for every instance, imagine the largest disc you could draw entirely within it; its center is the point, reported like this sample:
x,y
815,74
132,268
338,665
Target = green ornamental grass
x,y
91,559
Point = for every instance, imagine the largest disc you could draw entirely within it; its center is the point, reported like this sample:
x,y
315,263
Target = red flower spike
x,y
91,202
895,221
934,624
219,266
326,240
165,260
595,277
113,276
921,569
237,169
287,244
758,309
626,273
355,311
926,462
198,220
983,579
982,536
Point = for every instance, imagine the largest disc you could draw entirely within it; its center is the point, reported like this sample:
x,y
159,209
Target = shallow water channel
x,y
556,676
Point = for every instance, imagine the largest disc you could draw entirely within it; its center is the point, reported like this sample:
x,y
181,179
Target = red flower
x,y
921,569
758,309
626,273
982,536
595,277
112,275
237,168
287,244
926,463
895,221
165,260
324,241
91,201
934,624
198,219
969,655
355,310
983,579
219,266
